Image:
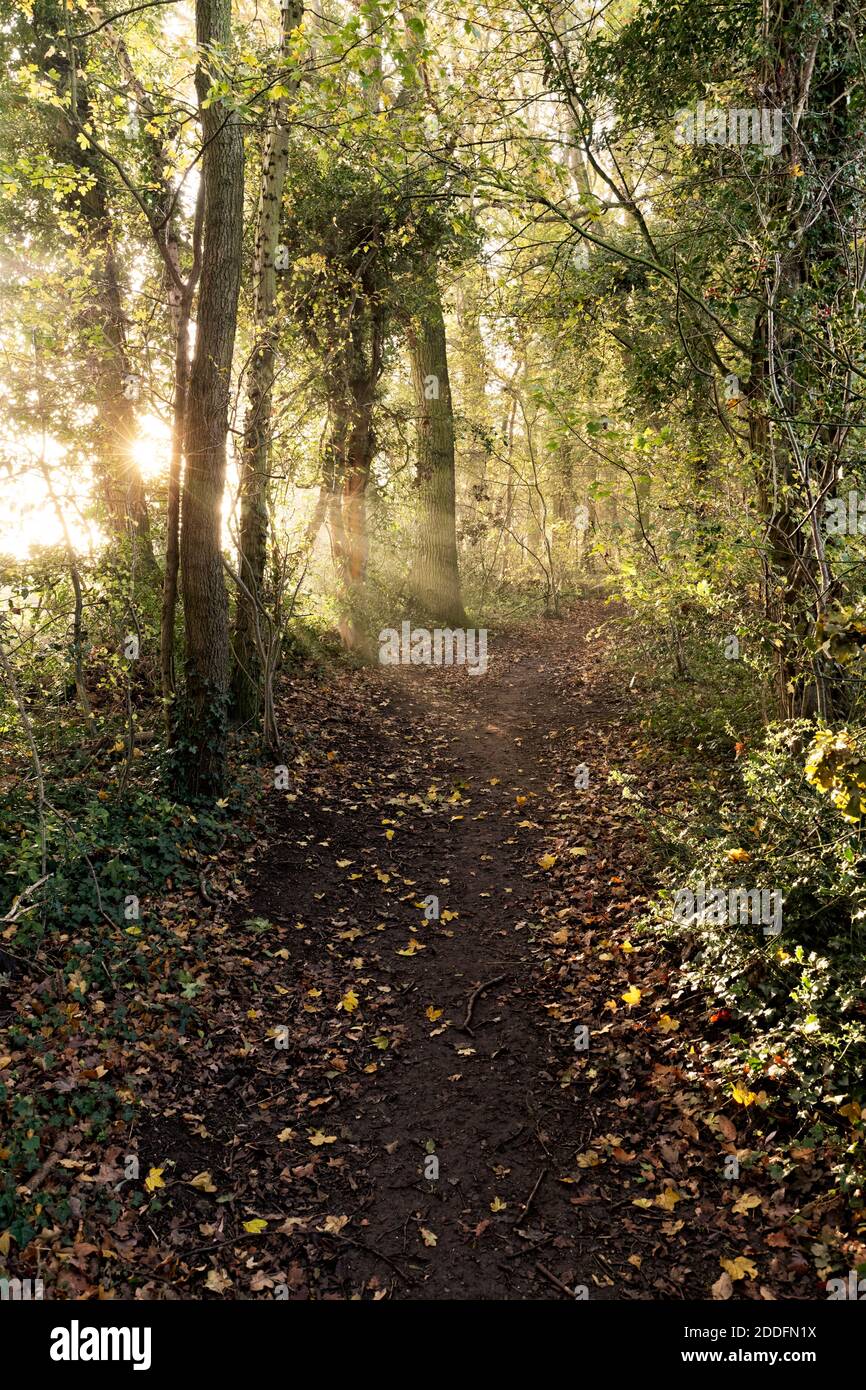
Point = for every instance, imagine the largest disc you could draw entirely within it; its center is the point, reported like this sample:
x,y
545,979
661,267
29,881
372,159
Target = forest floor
x,y
343,1041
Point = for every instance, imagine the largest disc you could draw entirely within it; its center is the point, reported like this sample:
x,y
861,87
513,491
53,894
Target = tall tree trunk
x,y
255,472
789,476
172,517
202,733
436,577
164,219
348,462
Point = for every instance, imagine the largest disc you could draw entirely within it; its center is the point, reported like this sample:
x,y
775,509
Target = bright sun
x,y
31,518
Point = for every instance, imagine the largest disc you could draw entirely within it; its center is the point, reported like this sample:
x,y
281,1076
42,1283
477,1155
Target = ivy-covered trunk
x,y
255,458
797,466
202,727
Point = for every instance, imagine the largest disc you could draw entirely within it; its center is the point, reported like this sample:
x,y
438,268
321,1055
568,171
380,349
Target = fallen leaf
x,y
203,1182
740,1268
746,1203
723,1288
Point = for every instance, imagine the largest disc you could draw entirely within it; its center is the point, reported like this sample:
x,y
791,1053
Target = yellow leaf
x,y
746,1203
319,1138
203,1182
349,1001
668,1199
285,1135
497,1204
428,1237
154,1179
632,996
740,1268
547,861
433,1014
642,1202
256,1227
739,856
412,948
668,1024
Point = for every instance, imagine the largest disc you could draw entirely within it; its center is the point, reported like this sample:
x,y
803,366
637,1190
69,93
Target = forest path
x,y
474,774
331,1058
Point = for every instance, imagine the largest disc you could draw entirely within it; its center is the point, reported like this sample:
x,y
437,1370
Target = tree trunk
x,y
202,732
172,518
348,462
436,577
255,471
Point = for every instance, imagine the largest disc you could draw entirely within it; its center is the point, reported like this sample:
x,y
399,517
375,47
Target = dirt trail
x,y
485,1101
325,1058
331,1061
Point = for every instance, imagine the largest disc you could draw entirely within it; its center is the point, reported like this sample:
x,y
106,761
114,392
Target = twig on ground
x,y
524,1210
553,1279
486,984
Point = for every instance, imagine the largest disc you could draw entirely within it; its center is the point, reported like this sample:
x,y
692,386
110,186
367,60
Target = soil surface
x,y
431,1056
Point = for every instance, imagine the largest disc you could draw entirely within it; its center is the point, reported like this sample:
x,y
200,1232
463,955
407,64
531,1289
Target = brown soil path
x,y
486,758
